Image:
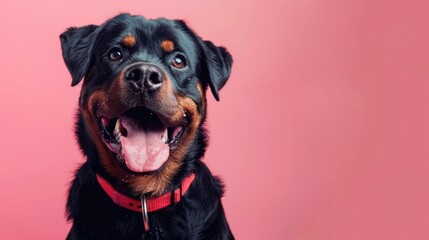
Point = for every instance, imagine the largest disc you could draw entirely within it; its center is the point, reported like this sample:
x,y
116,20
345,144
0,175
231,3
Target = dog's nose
x,y
145,76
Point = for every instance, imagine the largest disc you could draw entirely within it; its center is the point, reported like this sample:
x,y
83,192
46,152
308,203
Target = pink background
x,y
321,133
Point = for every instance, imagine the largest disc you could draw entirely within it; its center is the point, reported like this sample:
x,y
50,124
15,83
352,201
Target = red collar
x,y
153,204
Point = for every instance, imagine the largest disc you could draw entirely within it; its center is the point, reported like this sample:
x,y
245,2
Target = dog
x,y
140,124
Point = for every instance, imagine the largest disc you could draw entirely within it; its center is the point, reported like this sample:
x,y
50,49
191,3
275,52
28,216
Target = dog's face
x,y
143,100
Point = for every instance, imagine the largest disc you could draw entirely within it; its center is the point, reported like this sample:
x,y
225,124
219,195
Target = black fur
x,y
199,214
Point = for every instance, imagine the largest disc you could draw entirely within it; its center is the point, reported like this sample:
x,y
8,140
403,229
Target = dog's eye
x,y
115,54
179,62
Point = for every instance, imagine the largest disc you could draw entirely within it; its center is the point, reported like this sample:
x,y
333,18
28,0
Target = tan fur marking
x,y
155,184
203,96
167,45
174,162
109,163
158,183
129,41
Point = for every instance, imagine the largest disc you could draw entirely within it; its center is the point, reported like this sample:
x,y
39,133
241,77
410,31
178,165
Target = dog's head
x,y
142,102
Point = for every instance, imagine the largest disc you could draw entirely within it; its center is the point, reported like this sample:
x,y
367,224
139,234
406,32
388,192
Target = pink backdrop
x,y
321,133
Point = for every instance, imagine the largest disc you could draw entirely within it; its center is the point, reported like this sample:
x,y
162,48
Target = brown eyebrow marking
x,y
167,45
129,41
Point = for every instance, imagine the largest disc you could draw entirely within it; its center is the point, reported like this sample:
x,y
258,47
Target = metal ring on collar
x,y
145,214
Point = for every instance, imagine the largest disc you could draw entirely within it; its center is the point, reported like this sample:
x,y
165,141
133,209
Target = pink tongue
x,y
143,149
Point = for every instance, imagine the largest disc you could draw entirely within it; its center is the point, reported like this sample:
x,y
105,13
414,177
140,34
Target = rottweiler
x,y
140,124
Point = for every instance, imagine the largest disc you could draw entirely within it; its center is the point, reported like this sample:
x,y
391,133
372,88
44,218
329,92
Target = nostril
x,y
135,75
154,78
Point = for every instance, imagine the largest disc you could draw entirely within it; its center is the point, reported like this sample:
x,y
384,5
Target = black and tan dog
x,y
140,124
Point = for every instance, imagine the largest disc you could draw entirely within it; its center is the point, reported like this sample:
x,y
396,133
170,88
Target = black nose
x,y
145,76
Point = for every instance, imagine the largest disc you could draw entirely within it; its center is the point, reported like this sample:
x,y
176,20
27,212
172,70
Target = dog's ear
x,y
77,45
219,63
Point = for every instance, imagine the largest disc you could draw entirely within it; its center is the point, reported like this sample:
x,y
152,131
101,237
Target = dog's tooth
x,y
117,130
117,124
165,136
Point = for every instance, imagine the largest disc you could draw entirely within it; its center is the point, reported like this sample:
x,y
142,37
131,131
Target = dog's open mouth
x,y
140,139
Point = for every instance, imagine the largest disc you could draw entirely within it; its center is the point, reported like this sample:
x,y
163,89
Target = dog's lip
x,y
99,114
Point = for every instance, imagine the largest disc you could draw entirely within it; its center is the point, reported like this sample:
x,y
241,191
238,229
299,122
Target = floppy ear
x,y
77,45
219,62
